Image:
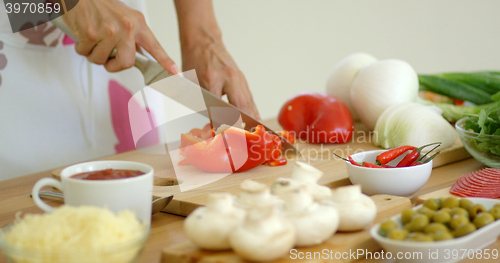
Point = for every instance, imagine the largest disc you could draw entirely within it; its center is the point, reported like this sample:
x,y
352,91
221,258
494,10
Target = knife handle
x,y
140,59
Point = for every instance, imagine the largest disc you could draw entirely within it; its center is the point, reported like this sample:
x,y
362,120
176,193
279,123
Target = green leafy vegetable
x,y
486,123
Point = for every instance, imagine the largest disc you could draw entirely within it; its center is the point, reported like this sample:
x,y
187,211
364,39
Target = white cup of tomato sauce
x,y
92,183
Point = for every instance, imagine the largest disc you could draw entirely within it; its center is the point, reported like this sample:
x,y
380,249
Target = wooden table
x,y
167,228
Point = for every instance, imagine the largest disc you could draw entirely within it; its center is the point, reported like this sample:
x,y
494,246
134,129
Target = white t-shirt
x,y
55,107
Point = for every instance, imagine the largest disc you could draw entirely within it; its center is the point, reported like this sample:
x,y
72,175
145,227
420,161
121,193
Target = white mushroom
x,y
209,227
254,194
263,236
281,186
313,222
309,175
356,210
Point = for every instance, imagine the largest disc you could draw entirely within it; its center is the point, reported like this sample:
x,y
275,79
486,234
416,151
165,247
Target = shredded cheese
x,y
75,234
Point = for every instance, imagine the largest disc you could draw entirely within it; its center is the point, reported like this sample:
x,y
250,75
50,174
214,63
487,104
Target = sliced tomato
x,y
232,150
288,136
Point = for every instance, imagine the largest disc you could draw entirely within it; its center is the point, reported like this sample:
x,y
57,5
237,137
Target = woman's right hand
x,y
101,25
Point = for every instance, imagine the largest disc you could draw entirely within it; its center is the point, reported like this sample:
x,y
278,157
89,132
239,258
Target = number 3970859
x,y
32,8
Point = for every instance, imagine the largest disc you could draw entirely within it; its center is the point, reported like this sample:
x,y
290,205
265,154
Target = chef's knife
x,y
153,71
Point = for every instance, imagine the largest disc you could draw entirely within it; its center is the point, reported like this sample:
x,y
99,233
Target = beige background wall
x,y
288,46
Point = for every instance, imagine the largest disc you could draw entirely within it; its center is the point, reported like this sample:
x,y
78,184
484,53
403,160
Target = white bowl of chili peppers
x,y
400,171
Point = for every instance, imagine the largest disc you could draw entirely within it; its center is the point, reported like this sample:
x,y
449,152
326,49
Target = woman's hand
x,y
203,50
101,25
218,73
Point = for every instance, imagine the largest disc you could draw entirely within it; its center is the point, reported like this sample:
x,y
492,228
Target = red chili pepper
x,y
413,156
392,154
371,165
350,160
430,158
354,162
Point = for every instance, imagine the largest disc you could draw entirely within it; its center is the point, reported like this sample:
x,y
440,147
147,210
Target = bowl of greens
x,y
481,136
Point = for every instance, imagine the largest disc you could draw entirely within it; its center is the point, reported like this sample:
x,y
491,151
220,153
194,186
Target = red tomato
x,y
233,150
317,118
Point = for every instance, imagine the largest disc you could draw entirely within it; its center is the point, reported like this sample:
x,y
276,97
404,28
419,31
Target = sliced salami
x,y
484,183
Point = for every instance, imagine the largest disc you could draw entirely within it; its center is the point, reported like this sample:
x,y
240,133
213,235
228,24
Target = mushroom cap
x,y
306,172
355,215
346,193
209,227
264,236
314,227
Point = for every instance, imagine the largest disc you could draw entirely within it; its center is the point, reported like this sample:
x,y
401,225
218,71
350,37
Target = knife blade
x,y
153,72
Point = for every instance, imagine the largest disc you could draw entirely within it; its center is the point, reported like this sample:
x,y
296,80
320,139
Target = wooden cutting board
x,y
387,206
445,192
318,155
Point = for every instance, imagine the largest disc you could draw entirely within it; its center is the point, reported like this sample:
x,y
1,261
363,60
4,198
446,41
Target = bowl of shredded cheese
x,y
74,234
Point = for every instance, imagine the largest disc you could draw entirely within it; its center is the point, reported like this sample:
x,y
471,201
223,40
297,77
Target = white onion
x,y
413,124
380,85
340,80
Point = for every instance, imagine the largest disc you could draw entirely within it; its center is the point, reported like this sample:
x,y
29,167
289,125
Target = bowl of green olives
x,y
440,229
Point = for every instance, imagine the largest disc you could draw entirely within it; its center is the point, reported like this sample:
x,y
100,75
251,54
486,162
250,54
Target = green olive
x,y
387,227
433,203
451,202
398,234
418,223
464,230
426,211
466,203
458,221
420,237
497,205
459,211
407,215
441,217
476,210
435,227
495,211
445,209
483,219
438,236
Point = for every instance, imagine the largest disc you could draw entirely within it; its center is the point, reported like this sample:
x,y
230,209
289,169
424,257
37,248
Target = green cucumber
x,y
484,80
454,89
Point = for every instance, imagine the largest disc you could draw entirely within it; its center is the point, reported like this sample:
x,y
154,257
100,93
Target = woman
x,y
58,108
